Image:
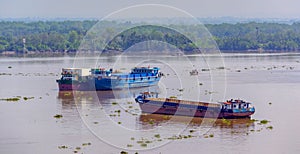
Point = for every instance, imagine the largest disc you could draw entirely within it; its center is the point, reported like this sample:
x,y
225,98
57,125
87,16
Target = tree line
x,y
65,36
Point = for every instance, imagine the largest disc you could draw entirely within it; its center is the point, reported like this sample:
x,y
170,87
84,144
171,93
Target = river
x,y
111,122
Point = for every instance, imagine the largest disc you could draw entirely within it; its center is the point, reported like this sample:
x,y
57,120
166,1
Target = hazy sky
x,y
100,8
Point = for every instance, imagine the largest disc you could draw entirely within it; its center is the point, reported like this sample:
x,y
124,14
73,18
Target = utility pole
x,y
24,47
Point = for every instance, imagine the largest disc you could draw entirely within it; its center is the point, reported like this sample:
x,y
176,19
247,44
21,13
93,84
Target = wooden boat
x,y
150,103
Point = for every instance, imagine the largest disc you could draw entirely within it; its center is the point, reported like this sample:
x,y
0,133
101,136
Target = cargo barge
x,y
150,103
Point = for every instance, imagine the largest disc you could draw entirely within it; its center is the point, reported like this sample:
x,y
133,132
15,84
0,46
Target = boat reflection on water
x,y
149,121
93,103
102,97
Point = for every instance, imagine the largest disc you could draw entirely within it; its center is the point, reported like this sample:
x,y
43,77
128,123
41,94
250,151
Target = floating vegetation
x,y
225,121
14,99
114,103
270,127
157,135
78,148
86,144
129,103
221,67
151,121
166,117
148,142
211,135
119,122
96,122
129,145
173,97
264,121
132,138
192,131
123,152
26,98
62,147
9,67
253,120
143,145
57,116
118,111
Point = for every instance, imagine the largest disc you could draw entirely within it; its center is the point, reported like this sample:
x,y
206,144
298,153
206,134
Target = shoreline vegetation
x,y
64,37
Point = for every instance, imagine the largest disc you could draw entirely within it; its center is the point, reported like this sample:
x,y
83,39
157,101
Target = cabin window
x,y
235,106
228,107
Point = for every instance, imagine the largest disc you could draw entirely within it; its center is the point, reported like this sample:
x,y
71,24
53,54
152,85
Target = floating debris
x,y
173,97
96,122
5,74
129,145
62,147
270,127
221,68
118,111
192,131
86,144
26,98
123,152
238,70
200,84
270,103
57,116
180,90
205,69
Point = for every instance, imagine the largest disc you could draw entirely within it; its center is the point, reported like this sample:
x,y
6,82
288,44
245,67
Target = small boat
x,y
194,72
102,79
150,103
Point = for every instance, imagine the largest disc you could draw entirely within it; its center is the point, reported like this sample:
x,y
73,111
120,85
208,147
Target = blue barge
x,y
102,79
138,77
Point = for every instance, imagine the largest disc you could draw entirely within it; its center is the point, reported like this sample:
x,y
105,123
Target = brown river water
x,y
111,121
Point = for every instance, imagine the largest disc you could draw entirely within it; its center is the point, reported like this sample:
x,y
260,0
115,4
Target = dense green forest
x,y
65,36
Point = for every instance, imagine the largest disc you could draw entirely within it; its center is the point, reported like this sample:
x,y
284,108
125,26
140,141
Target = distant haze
x,y
100,8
